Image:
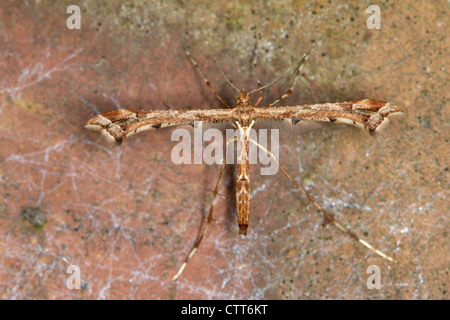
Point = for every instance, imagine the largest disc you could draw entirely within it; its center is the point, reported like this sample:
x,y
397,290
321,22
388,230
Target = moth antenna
x,y
302,59
220,68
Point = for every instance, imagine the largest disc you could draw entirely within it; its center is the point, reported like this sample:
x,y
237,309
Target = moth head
x,y
243,97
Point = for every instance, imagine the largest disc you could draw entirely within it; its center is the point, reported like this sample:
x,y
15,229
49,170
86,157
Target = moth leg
x,y
261,97
209,220
205,79
330,218
290,90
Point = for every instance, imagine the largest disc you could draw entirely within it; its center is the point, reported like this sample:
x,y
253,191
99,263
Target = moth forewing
x,y
367,114
120,124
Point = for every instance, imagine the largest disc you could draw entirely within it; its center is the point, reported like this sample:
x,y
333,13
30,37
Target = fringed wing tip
x,y
93,127
100,123
388,111
110,138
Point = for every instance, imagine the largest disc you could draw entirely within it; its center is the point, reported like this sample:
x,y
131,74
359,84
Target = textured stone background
x,y
127,216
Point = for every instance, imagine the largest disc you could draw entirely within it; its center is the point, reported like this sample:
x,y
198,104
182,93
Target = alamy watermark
x,y
374,20
74,20
213,153
74,280
374,280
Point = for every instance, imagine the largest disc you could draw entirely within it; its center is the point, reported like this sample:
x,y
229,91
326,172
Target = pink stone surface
x,y
127,216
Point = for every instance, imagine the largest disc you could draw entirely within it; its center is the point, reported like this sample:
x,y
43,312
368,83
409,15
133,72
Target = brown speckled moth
x,y
370,115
